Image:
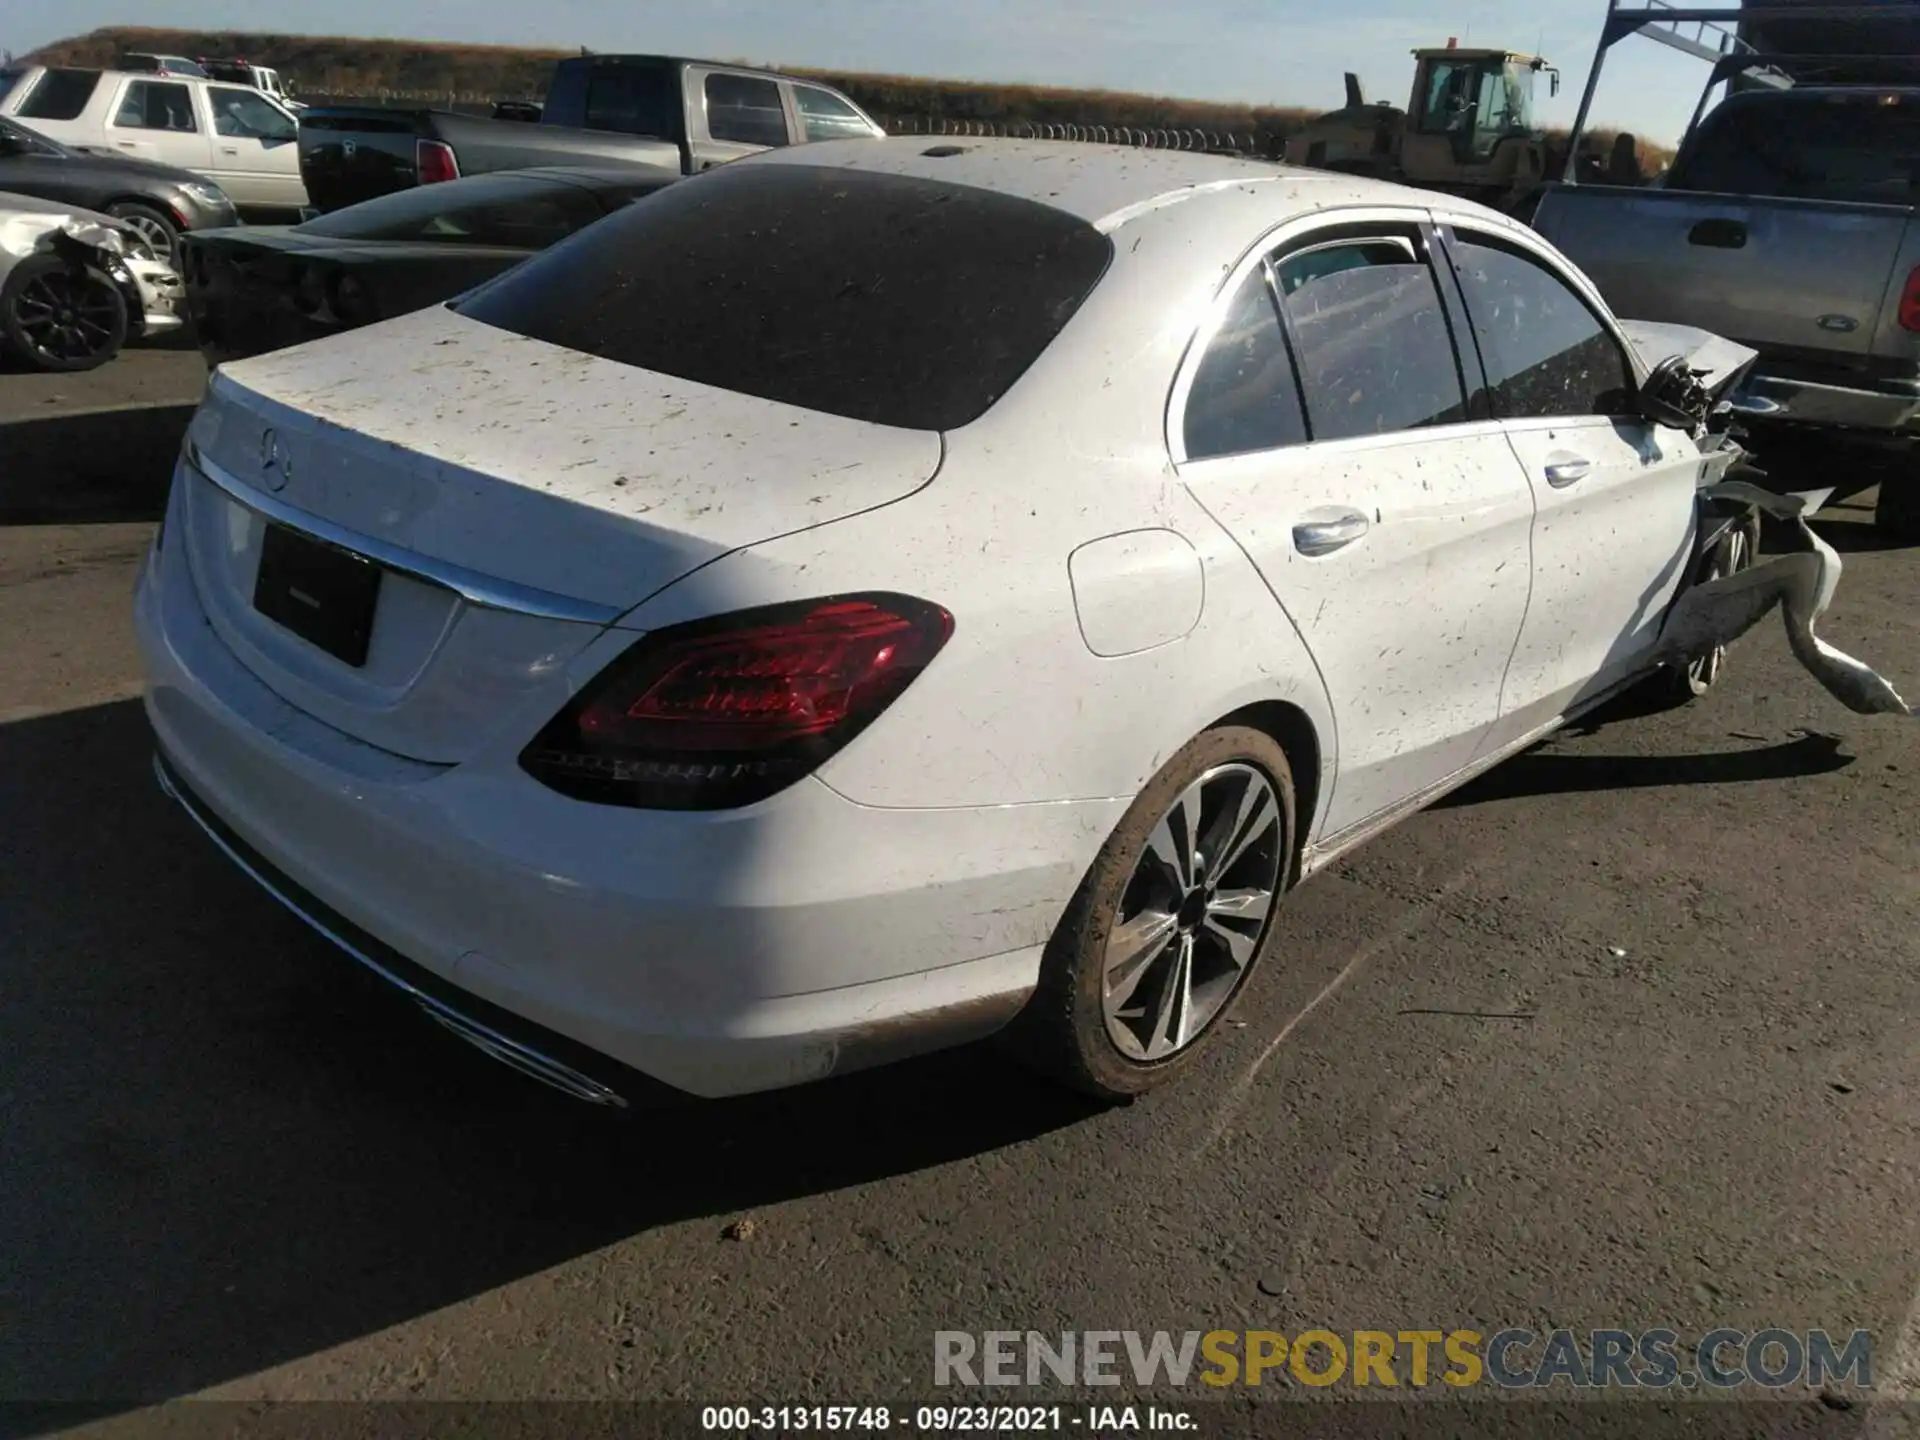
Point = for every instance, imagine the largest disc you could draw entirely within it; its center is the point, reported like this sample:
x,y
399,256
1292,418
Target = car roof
x,y
1105,185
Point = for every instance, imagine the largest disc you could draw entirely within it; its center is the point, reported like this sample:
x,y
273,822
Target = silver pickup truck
x,y
1787,223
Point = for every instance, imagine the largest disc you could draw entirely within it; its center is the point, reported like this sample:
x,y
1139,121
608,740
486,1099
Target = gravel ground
x,y
1621,1036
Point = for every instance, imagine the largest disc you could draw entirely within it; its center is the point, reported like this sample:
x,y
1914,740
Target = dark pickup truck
x,y
681,115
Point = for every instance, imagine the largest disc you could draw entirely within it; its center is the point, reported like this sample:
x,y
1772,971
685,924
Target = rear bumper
x,y
584,1074
229,326
716,954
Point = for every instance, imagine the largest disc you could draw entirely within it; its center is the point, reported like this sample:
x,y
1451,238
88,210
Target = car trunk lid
x,y
515,498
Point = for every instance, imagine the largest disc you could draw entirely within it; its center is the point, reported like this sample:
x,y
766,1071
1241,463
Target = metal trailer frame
x,y
1725,49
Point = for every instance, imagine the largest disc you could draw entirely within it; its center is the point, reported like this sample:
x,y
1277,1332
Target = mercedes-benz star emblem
x,y
276,468
348,149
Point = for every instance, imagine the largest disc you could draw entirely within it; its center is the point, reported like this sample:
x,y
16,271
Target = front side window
x,y
825,116
1243,397
1452,97
745,110
60,95
242,114
155,105
1374,350
1547,354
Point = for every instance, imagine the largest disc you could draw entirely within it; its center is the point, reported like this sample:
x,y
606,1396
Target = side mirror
x,y
1673,396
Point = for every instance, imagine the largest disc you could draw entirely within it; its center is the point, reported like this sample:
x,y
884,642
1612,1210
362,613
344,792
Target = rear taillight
x,y
727,711
433,162
1910,302
351,300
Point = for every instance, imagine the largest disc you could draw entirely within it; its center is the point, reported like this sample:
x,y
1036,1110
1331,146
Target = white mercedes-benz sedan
x,y
876,595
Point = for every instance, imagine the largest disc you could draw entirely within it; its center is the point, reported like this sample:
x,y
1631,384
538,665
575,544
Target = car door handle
x,y
1323,537
1720,234
1562,473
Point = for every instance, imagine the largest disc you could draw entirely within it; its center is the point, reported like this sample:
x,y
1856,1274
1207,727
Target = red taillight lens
x,y
351,301
433,162
726,711
1910,302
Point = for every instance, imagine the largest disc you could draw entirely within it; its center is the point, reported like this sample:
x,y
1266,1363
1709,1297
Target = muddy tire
x,y
1165,928
1896,514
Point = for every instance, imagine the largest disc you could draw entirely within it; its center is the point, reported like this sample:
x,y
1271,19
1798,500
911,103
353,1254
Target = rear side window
x,y
155,105
60,95
826,116
1375,354
745,110
1243,397
1807,148
886,298
1546,353
635,100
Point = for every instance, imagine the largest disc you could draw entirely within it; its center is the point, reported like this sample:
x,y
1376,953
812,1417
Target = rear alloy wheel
x,y
1169,922
62,317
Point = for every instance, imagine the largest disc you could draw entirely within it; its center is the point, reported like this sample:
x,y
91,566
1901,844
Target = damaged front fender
x,y
152,289
1717,612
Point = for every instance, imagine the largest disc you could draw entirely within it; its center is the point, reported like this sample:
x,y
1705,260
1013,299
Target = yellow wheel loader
x,y
1468,129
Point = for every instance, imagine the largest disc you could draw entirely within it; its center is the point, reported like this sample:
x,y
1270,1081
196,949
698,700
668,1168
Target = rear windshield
x,y
635,98
514,211
25,141
886,298
1807,148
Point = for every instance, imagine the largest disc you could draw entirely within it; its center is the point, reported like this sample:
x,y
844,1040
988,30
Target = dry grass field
x,y
334,65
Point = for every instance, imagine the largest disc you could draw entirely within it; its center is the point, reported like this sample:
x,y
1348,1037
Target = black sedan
x,y
159,201
260,288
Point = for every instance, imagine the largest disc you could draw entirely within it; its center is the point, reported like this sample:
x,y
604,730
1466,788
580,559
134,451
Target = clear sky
x,y
1287,52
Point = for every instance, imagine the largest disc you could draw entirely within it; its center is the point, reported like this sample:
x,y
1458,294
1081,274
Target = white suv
x,y
233,134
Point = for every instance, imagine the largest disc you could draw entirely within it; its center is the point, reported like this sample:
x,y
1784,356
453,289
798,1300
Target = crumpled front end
x,y
162,295
152,288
